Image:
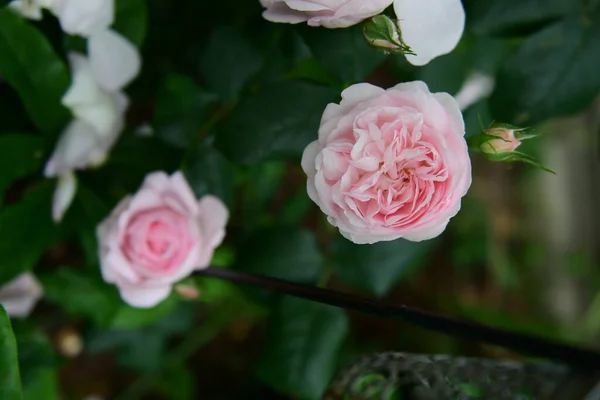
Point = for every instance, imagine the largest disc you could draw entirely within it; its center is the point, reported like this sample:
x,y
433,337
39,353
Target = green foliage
x,y
343,52
143,349
181,110
301,347
26,229
231,101
551,74
10,388
30,65
229,62
209,172
21,156
85,295
37,362
285,253
131,20
280,120
510,16
377,267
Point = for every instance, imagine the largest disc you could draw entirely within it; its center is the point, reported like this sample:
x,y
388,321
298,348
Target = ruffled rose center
x,y
157,241
392,170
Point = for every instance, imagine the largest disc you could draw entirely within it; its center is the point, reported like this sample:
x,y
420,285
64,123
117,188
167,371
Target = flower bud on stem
x,y
384,33
500,141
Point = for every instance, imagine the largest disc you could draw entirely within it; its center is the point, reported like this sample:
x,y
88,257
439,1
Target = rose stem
x,y
527,344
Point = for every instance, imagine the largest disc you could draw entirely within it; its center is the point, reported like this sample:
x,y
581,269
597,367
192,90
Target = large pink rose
x,y
390,163
327,13
157,237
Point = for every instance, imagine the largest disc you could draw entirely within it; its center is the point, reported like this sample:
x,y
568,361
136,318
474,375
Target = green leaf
x,y
209,172
377,267
229,62
278,121
302,347
128,317
178,383
343,52
21,156
86,295
82,294
448,72
131,20
145,348
26,229
36,355
261,183
30,65
296,207
552,73
507,16
286,253
44,386
181,108
82,219
10,389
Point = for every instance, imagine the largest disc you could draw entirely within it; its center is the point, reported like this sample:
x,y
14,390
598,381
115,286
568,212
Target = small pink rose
x,y
157,237
507,142
390,163
327,13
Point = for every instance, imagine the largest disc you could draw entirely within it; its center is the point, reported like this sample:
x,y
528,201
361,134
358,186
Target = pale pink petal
x,y
144,297
280,12
361,9
359,92
308,157
303,5
213,219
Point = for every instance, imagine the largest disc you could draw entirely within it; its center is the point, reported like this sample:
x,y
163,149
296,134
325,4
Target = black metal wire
x,y
520,342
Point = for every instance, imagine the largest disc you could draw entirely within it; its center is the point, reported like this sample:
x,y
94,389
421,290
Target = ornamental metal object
x,y
405,376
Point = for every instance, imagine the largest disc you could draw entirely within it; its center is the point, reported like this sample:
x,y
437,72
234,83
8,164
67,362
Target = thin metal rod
x,y
523,343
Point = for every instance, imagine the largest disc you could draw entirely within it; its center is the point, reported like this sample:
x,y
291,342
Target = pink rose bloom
x,y
327,13
389,164
157,237
506,144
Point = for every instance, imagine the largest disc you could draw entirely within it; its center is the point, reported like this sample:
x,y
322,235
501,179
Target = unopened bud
x,y
502,140
188,292
383,33
499,143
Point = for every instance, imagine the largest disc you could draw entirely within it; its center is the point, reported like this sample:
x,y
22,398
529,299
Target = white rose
x,y
84,17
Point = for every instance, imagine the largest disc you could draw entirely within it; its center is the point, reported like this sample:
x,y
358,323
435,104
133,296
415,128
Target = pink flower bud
x,y
187,292
507,142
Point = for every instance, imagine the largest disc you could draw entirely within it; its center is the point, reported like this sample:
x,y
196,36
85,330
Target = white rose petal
x,y
476,87
63,195
430,27
114,60
27,8
87,100
84,17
